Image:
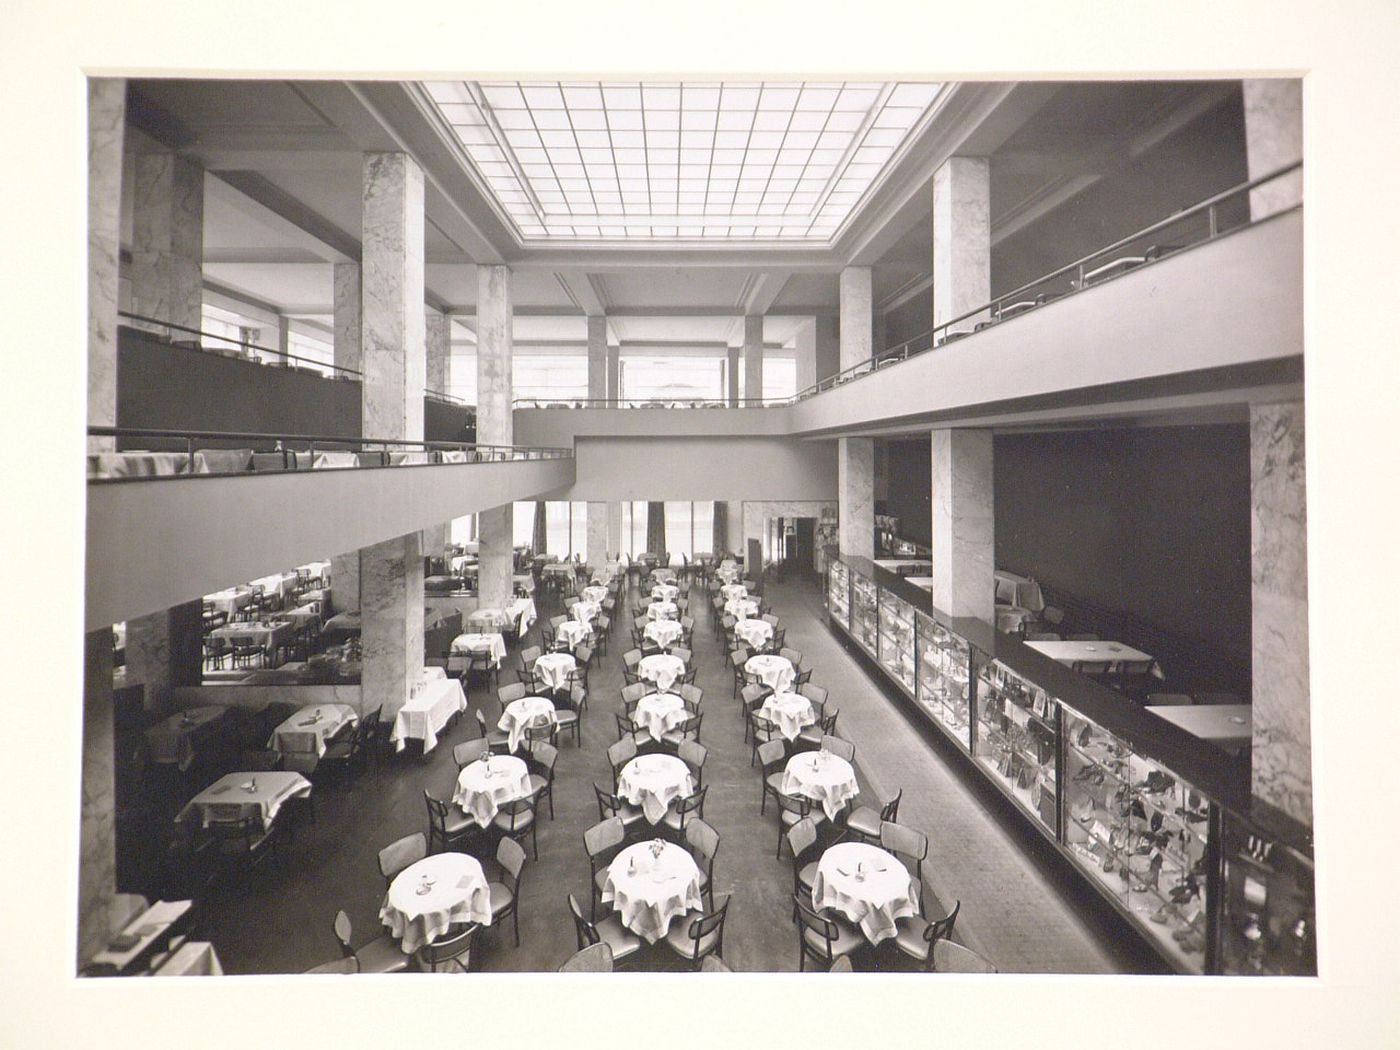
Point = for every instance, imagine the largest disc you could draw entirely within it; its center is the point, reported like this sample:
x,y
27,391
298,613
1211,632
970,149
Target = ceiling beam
x,y
762,292
256,186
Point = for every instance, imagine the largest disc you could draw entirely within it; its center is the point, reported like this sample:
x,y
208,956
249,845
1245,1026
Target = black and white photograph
x,y
835,542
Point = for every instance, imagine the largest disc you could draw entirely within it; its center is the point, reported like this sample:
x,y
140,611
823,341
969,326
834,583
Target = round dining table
x,y
665,592
663,632
866,884
659,713
434,894
585,611
593,593
663,575
572,632
774,671
741,608
662,669
650,884
553,669
756,633
663,611
790,712
734,591
523,713
654,782
822,777
484,784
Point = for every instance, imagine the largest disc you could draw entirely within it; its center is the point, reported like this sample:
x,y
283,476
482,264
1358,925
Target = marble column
x,y
346,315
97,844
167,256
963,524
805,345
284,336
828,347
753,358
439,349
962,241
598,358
1282,752
394,362
857,315
855,488
106,132
731,377
165,650
614,373
598,549
614,529
345,582
1273,135
495,423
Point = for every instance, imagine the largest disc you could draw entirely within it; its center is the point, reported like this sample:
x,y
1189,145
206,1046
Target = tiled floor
x,y
279,920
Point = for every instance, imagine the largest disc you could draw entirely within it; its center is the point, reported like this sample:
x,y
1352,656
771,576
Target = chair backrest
x,y
447,953
793,656
542,755
582,654
801,837
400,853
949,957
555,621
510,855
530,654
709,924
817,923
622,752
772,753
632,657
943,928
693,754
753,693
815,693
343,932
542,734
693,803
469,751
633,693
595,958
839,746
691,694
703,838
583,929
890,810
510,692
687,623
900,838
841,964
603,836
681,653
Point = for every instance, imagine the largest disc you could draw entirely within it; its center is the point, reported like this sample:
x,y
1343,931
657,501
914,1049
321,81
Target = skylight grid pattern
x,y
684,161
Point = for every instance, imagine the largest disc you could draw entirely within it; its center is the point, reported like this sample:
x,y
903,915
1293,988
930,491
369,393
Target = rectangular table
x,y
228,800
307,731
267,635
138,938
1228,726
464,645
423,716
1114,654
175,740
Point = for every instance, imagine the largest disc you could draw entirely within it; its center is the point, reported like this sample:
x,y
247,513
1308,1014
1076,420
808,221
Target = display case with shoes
x,y
865,612
1016,716
944,670
838,593
897,639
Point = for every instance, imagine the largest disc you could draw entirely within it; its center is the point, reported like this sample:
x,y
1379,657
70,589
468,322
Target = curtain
x,y
721,530
540,542
656,527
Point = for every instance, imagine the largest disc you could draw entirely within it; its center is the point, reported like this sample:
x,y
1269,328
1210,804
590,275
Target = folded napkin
x,y
125,942
309,721
222,790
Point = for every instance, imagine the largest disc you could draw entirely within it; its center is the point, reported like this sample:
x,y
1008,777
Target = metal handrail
x,y
237,342
331,442
993,308
445,398
650,402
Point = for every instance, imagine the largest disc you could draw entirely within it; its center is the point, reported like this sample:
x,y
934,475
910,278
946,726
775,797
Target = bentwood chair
x,y
610,806
863,824
703,841
505,893
610,933
820,937
448,826
602,842
908,845
693,754
595,958
539,759
806,850
497,740
516,818
682,811
449,954
381,955
469,751
772,758
700,936
400,853
619,754
916,936
947,957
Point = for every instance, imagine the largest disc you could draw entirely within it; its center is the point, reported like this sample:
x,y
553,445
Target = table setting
x,y
585,611
790,712
774,671
756,633
307,731
662,669
572,632
431,702
465,646
486,783
664,633
659,713
593,593
866,884
822,777
238,796
654,782
434,894
650,884
523,713
552,670
175,740
665,592
662,611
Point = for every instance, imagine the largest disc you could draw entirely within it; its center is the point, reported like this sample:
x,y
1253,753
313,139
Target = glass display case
x,y
864,610
897,639
1017,733
1142,833
838,590
945,671
1267,920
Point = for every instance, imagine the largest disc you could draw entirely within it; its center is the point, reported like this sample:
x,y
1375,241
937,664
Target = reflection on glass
x,y
944,670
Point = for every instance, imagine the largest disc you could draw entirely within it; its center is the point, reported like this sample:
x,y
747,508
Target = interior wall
x,y
910,468
1154,522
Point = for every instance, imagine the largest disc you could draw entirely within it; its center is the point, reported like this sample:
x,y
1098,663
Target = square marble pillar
x,y
496,556
857,315
494,356
805,345
106,132
434,541
393,335
391,622
439,349
1282,752
614,373
855,488
97,844
597,358
827,331
598,549
167,255
345,583
346,315
962,241
731,376
284,336
753,358
165,650
964,551
614,529
1273,136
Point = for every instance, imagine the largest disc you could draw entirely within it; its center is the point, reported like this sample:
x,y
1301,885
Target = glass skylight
x,y
680,161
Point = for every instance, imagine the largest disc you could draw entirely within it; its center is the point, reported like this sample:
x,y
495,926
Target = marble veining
x,y
496,550
753,357
963,523
346,315
97,867
148,657
167,257
106,131
391,621
345,582
1282,734
857,317
597,357
1273,124
962,240
598,548
495,420
855,486
439,349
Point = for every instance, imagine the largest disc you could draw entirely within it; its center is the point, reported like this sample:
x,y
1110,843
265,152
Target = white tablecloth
x,y
593,593
484,784
527,711
650,891
756,632
729,572
307,731
659,713
553,669
424,715
571,632
230,601
741,608
774,671
662,611
665,592
437,892
734,592
654,782
175,740
824,778
238,796
1114,653
662,632
266,634
280,584
488,619
871,887
661,668
522,613
584,611
663,575
790,712
464,645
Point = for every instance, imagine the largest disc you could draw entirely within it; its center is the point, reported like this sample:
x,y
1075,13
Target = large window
x,y
690,527
551,377
310,348
779,377
634,528
565,527
666,377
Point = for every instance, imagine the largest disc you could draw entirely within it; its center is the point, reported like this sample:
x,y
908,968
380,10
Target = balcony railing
x,y
202,453
225,346
650,402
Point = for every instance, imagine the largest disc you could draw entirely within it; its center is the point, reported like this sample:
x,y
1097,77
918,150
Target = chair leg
x,y
515,916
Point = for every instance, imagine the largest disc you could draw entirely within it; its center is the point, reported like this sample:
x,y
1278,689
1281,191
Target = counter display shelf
x,y
1267,922
1017,730
945,666
864,611
897,639
1147,817
839,593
